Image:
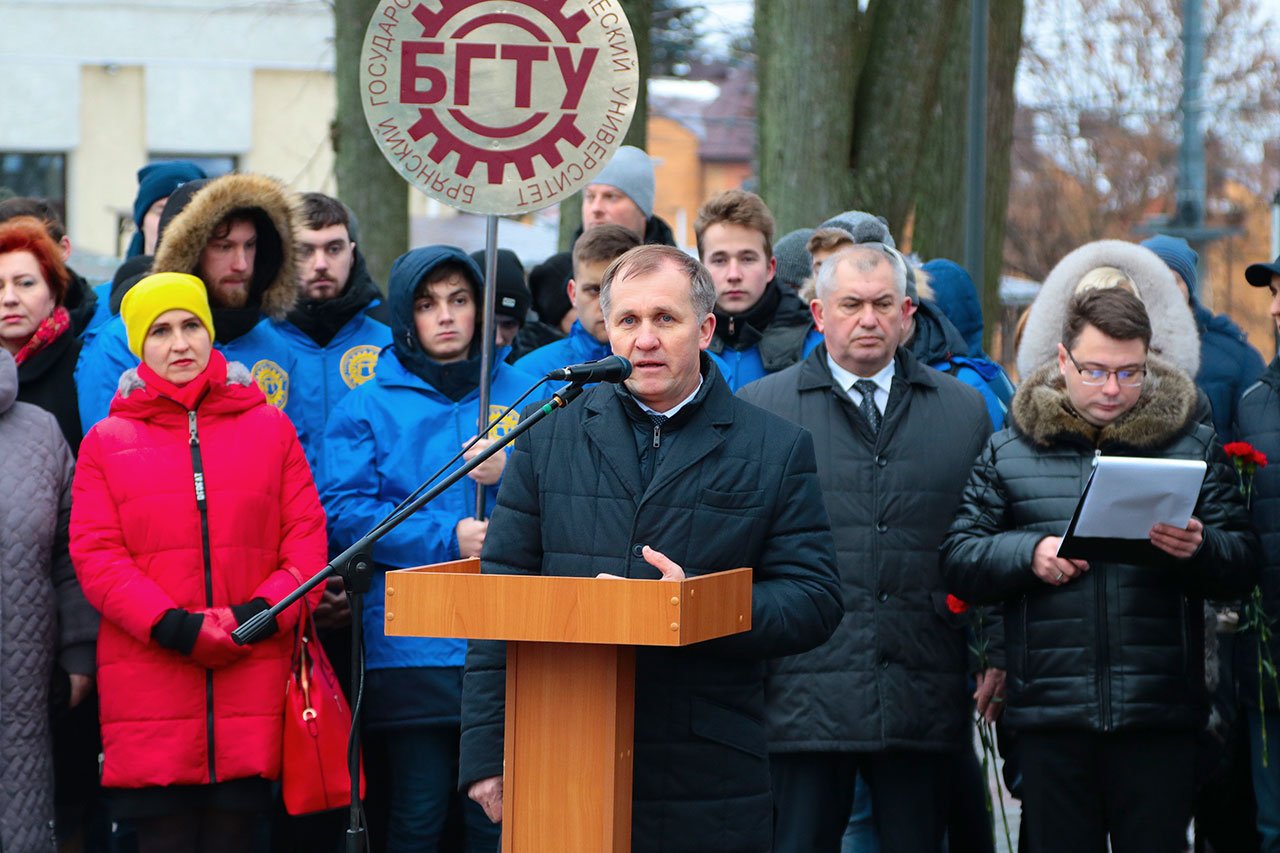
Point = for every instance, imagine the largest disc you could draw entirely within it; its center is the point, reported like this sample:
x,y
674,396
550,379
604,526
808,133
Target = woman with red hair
x,y
35,328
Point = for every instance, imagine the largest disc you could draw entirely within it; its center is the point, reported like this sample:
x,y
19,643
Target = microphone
x,y
613,368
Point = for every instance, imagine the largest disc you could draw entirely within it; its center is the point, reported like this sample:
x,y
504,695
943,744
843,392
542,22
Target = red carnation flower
x,y
955,605
1242,449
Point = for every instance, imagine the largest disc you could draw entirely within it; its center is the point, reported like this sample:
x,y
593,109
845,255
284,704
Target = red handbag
x,y
317,723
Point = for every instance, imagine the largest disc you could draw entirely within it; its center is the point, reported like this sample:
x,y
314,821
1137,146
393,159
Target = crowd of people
x,y
187,443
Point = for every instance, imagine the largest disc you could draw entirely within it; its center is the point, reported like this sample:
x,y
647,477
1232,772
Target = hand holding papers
x,y
1124,501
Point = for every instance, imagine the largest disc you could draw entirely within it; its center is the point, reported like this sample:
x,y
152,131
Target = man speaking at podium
x,y
667,476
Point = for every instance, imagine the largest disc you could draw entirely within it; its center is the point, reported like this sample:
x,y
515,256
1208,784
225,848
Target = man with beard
x,y
236,233
761,327
339,323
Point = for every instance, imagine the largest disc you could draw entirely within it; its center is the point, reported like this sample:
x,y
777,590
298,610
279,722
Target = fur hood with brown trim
x,y
275,212
1174,334
1043,413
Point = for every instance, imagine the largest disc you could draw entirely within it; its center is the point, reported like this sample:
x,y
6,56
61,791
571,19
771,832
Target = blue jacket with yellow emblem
x,y
335,344
388,435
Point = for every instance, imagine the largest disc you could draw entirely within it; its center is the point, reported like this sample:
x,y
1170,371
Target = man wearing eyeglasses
x,y
1105,659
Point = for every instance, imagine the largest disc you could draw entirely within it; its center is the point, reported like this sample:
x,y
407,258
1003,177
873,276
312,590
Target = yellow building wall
x,y
1223,286
102,170
677,175
718,177
292,112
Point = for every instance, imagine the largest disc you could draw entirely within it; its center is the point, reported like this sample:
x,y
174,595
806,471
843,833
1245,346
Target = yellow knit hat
x,y
158,293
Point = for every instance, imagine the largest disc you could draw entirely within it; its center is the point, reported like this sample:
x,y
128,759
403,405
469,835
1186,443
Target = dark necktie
x,y
867,389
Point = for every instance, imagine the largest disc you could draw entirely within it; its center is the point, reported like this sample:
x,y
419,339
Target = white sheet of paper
x,y
1129,495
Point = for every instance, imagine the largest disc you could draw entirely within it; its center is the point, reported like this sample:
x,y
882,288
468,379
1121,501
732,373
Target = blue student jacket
x,y
742,367
323,376
382,440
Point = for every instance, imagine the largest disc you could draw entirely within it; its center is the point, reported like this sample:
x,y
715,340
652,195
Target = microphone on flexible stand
x,y
613,368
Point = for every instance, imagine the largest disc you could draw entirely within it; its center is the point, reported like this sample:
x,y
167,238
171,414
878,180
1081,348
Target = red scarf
x,y
50,329
189,394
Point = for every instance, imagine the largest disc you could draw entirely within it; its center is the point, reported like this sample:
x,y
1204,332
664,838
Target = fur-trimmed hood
x,y
130,381
275,277
1174,335
1042,412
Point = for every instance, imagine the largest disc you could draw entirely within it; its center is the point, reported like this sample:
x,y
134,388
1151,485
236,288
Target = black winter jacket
x,y
47,379
1258,422
737,488
893,674
1121,647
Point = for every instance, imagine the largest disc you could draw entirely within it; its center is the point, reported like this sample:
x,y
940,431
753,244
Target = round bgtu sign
x,y
499,106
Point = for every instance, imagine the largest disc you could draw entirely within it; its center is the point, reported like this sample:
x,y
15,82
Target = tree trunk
x,y
367,183
808,70
1004,41
938,224
940,186
640,15
898,88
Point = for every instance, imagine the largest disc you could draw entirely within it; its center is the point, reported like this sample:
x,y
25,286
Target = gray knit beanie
x,y
630,171
868,228
865,227
794,263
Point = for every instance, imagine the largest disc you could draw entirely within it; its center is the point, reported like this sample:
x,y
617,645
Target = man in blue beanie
x,y
156,182
1228,364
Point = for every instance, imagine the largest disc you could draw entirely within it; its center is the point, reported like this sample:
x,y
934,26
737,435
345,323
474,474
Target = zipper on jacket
x,y
197,471
657,435
1104,666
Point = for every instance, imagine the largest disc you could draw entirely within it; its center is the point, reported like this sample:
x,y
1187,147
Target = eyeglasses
x,y
1129,377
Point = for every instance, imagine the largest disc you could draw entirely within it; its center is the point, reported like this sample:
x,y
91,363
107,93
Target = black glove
x,y
177,630
251,608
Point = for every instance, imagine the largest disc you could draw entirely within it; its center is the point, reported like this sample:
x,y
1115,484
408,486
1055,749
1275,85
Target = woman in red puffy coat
x,y
193,509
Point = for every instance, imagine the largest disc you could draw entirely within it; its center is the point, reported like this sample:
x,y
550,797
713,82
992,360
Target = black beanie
x,y
514,297
549,282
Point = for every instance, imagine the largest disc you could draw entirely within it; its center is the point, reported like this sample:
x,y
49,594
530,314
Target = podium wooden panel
x,y
570,681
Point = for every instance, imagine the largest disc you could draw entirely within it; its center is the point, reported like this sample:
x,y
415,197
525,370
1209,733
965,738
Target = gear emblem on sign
x,y
499,106
429,123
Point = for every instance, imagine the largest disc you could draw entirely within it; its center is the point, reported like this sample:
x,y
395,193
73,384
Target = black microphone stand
x,y
355,567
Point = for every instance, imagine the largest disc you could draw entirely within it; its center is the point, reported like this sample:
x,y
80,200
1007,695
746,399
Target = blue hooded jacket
x,y
955,294
1228,364
382,440
956,298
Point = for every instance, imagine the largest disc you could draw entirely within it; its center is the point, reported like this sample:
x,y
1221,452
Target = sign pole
x,y
488,331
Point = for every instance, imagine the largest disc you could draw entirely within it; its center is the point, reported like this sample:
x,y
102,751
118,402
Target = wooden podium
x,y
570,680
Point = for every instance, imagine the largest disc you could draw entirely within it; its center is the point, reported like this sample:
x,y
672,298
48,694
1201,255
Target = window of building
x,y
214,165
43,175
